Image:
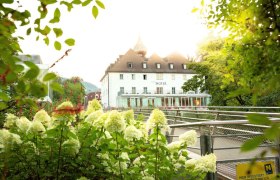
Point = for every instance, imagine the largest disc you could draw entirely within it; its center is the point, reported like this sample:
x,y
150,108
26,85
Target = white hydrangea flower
x,y
129,117
124,156
174,146
36,127
72,146
43,117
108,135
23,124
100,122
65,105
7,138
182,159
93,116
104,156
189,137
93,105
204,164
115,122
157,118
137,160
131,133
209,162
10,120
148,178
118,166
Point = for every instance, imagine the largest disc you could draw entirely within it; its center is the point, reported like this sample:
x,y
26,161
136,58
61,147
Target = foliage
x,y
214,75
73,90
20,87
253,43
99,146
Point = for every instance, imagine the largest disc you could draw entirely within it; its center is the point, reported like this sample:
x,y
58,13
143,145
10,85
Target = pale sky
x,y
164,26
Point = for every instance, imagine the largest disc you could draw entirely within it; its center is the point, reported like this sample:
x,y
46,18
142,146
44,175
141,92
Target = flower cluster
x,y
99,145
115,122
157,118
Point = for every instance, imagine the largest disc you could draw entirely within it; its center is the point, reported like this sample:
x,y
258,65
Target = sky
x,y
164,26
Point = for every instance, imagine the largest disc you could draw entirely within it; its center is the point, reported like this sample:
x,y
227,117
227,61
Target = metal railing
x,y
222,132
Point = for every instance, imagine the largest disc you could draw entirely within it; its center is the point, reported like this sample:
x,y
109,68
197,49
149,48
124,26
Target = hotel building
x,y
135,80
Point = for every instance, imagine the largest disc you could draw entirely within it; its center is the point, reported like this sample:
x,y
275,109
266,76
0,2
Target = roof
x,y
36,59
134,59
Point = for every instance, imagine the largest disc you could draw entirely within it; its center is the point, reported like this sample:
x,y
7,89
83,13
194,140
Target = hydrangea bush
x,y
96,145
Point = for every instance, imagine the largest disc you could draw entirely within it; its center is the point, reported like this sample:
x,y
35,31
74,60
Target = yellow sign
x,y
262,170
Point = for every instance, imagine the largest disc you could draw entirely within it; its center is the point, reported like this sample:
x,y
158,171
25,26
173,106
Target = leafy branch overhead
x,y
21,83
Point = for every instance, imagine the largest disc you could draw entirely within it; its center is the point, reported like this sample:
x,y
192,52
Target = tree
x,y
73,91
213,75
253,42
19,86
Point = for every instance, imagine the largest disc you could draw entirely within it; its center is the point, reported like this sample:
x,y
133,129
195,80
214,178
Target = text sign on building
x,y
160,83
259,170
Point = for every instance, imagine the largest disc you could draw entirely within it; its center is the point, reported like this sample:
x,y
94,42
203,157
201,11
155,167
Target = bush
x,y
96,145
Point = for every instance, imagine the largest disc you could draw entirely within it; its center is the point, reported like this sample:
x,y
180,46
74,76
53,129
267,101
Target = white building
x,y
137,81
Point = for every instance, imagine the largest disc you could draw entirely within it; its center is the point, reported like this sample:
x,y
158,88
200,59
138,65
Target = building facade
x,y
137,81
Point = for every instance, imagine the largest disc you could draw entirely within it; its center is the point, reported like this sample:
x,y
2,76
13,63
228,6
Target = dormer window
x,y
129,65
144,65
184,66
158,65
171,66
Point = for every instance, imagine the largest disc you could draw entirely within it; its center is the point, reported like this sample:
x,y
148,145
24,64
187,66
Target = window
x,y
184,66
173,90
173,76
158,65
129,65
145,90
184,77
121,76
159,76
133,76
145,76
133,90
121,90
159,90
144,65
171,66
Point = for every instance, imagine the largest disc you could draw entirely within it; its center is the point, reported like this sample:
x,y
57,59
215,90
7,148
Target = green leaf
x,y
100,4
57,13
272,132
19,68
85,3
56,16
252,143
46,30
258,119
57,45
31,65
28,31
32,74
49,76
58,32
202,2
70,42
76,2
37,38
194,10
56,87
69,5
95,11
47,41
4,96
3,105
39,89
